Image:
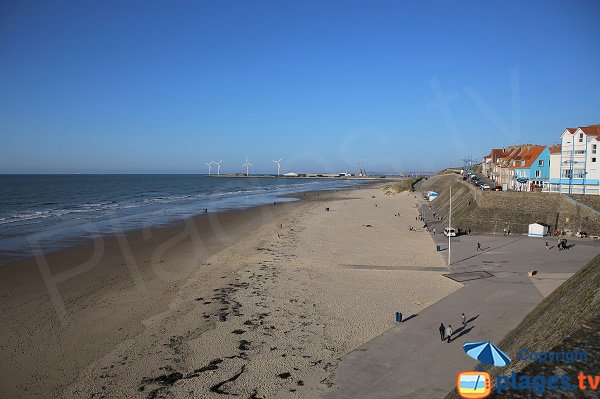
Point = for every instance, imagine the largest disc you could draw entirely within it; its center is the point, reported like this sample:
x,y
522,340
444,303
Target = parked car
x,y
581,234
485,187
450,232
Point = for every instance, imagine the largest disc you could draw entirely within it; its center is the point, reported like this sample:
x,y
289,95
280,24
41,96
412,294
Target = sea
x,y
47,213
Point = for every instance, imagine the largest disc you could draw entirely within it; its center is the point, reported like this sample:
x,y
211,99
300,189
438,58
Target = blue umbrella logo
x,y
487,353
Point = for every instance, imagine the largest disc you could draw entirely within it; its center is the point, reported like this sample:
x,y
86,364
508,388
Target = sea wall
x,y
493,211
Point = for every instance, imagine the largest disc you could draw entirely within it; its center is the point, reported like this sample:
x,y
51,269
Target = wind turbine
x,y
247,164
278,165
209,166
218,167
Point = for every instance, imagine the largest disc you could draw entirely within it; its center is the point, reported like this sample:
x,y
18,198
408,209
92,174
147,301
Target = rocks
x,y
244,345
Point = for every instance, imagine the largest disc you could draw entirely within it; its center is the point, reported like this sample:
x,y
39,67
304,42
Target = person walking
x,y
547,246
463,319
449,332
479,246
434,231
442,331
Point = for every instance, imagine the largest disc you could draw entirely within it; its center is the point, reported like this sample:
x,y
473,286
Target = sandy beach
x,y
260,303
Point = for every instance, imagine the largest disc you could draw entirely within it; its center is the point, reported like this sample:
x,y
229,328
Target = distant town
x,y
570,167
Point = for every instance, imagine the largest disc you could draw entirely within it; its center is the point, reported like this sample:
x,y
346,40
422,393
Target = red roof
x,y
495,154
529,155
510,153
592,130
555,149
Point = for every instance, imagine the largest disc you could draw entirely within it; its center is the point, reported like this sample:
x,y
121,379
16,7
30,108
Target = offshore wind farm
x,y
360,174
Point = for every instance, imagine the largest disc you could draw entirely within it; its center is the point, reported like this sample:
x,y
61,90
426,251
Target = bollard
x,y
398,317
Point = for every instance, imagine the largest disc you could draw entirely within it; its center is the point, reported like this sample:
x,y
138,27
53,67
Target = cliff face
x,y
493,211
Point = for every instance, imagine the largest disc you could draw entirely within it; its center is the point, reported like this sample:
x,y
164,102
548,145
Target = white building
x,y
554,166
579,170
538,230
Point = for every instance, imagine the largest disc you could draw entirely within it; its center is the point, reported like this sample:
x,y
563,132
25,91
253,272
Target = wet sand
x,y
257,303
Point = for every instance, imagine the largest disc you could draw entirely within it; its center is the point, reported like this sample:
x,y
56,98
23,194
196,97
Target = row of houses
x,y
571,167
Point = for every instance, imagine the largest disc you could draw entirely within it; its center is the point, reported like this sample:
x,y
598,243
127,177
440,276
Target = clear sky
x,y
164,86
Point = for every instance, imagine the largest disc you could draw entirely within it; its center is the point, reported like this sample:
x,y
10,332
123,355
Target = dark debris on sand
x,y
217,387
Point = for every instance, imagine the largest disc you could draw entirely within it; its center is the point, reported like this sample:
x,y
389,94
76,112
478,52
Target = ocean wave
x,y
108,208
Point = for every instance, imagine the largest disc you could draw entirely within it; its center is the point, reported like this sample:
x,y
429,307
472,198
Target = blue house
x,y
530,169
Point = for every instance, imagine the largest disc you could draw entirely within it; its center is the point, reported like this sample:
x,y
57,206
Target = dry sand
x,y
271,314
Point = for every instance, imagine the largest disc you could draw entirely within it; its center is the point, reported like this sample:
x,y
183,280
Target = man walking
x,y
463,319
449,332
442,331
478,246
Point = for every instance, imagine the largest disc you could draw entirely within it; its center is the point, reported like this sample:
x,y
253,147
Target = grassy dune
x,y
404,185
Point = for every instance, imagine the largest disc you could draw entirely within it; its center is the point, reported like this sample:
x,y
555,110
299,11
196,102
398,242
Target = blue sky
x,y
158,86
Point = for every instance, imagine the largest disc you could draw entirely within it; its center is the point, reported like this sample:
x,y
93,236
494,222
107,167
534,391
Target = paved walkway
x,y
410,360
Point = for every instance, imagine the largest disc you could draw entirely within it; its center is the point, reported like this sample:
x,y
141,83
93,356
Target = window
x,y
578,173
541,162
538,173
593,159
581,137
522,162
593,148
567,173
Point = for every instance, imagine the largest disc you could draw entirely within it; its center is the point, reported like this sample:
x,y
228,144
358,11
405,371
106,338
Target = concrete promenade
x,y
410,360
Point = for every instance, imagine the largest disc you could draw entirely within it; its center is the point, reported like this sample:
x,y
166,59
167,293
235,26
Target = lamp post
x,y
449,226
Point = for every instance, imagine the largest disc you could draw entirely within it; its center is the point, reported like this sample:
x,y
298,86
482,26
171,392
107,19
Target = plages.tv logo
x,y
478,384
474,384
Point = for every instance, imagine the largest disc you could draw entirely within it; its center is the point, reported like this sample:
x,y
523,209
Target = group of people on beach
x,y
446,332
562,244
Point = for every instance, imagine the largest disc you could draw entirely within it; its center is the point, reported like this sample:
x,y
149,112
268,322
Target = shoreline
x,y
126,272
112,318
75,241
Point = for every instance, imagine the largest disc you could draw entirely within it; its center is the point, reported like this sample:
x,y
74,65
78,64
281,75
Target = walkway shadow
x,y
463,332
412,316
461,328
569,246
485,250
